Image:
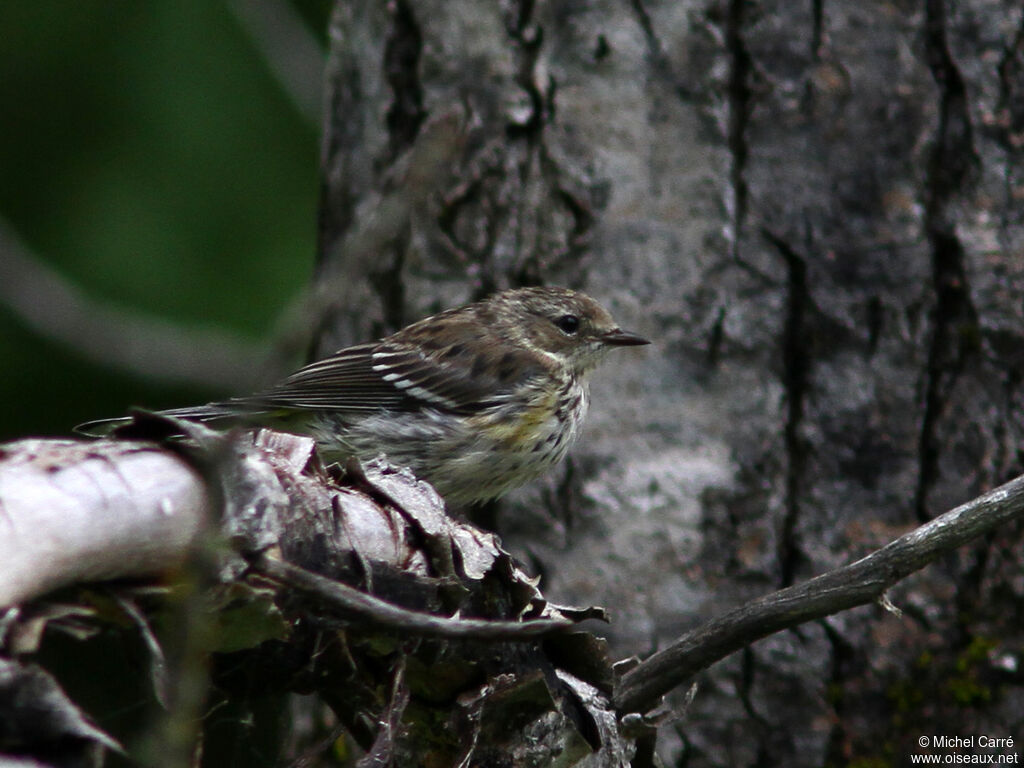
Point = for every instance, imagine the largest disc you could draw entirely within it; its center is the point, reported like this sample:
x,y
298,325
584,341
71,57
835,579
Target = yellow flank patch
x,y
524,428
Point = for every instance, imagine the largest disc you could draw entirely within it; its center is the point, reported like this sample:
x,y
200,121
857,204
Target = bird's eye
x,y
568,324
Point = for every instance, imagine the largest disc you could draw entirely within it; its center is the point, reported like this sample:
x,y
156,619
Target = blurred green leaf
x,y
147,153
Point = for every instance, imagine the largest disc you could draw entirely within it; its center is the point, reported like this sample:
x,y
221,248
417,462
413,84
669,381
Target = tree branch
x,y
72,512
340,596
855,584
144,346
290,49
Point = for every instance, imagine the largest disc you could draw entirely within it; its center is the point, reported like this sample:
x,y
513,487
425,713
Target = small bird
x,y
476,400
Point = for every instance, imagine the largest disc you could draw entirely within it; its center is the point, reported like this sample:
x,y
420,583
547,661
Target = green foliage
x,y
150,156
966,687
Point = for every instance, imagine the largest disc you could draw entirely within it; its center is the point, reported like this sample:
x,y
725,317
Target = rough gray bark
x,y
356,587
814,209
485,688
861,583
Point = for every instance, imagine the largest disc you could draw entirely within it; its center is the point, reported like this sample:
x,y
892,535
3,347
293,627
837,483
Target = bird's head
x,y
565,325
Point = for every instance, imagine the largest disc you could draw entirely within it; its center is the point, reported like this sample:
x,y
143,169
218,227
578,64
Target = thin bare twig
x,y
855,584
145,346
290,49
382,613
380,222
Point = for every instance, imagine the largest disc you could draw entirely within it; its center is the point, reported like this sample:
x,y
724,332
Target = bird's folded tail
x,y
213,413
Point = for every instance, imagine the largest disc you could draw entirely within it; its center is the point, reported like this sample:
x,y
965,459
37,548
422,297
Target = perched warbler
x,y
475,400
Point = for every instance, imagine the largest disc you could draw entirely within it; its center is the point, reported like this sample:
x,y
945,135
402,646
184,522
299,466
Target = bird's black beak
x,y
621,338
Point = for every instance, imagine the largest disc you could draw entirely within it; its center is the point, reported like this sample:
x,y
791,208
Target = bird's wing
x,y
394,374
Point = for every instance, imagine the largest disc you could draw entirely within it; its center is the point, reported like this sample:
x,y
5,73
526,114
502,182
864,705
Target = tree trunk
x,y
814,210
810,208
